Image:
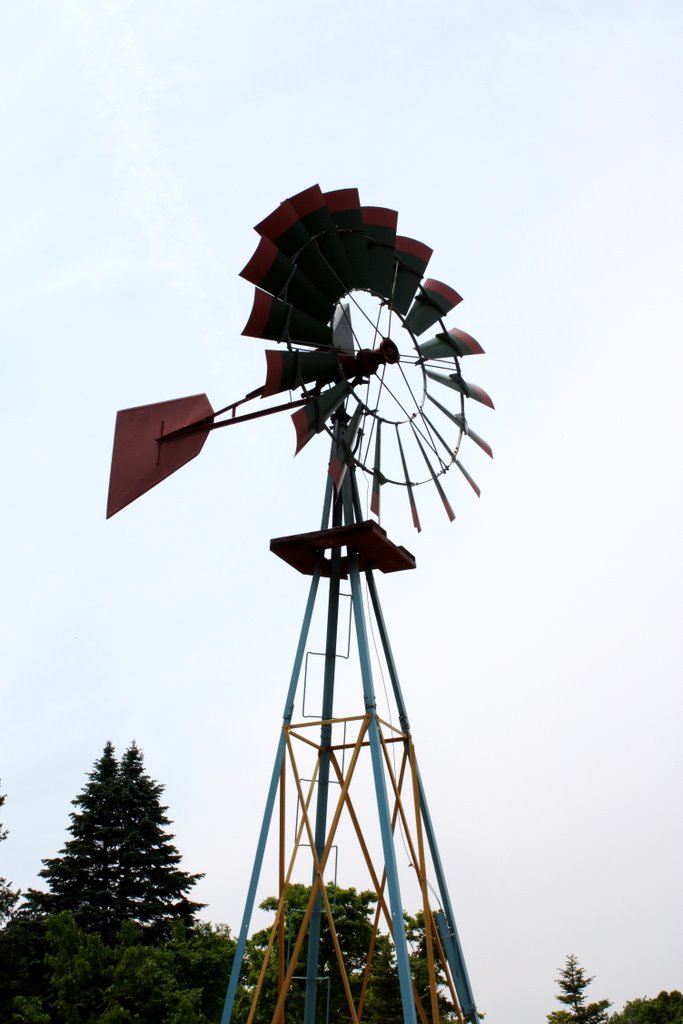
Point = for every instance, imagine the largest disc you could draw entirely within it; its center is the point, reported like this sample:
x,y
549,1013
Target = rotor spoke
x,y
410,418
451,449
418,406
375,404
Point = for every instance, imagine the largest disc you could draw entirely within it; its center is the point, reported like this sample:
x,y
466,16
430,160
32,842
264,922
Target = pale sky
x,y
537,148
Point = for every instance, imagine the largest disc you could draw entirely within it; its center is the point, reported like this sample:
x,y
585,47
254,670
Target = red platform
x,y
366,540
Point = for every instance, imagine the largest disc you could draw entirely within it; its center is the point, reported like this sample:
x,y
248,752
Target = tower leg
x,y
270,803
395,903
313,955
445,919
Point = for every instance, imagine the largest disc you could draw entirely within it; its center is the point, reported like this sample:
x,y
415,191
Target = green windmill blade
x,y
433,300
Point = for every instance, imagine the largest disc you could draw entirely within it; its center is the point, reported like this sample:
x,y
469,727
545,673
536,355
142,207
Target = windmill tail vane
x,y
346,300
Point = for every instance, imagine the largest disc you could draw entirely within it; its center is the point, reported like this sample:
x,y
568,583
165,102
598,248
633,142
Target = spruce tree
x,y
573,984
150,880
120,863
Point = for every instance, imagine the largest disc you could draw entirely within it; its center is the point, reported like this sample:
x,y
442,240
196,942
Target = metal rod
x,y
319,867
207,424
305,802
456,959
270,801
398,924
313,955
422,878
281,888
388,654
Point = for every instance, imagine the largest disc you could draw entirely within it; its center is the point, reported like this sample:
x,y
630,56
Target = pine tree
x,y
120,863
573,984
8,897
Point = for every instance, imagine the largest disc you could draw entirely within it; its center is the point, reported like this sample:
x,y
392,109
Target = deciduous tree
x,y
353,914
666,1008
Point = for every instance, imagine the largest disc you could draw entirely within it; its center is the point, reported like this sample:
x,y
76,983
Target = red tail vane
x,y
139,462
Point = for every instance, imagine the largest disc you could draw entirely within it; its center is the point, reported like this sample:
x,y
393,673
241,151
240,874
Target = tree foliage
x,y
8,897
180,981
573,983
353,919
666,1008
120,863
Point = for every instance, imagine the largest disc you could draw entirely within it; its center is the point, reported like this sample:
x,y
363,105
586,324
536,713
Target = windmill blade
x,y
342,330
412,258
377,476
311,418
270,270
448,447
437,483
409,486
344,449
484,445
279,321
284,227
453,343
473,483
287,230
380,235
454,381
432,302
316,216
286,371
460,420
344,205
139,462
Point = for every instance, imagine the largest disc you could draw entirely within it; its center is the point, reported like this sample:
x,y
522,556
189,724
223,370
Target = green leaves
x,y
666,1008
8,897
354,913
180,981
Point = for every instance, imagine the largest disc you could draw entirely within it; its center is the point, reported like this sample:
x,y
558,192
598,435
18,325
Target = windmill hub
x,y
368,361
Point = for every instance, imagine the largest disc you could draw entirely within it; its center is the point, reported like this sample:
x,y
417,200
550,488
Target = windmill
x,y
345,298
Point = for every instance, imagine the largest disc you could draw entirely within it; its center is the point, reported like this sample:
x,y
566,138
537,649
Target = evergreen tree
x,y
149,881
120,863
573,984
8,897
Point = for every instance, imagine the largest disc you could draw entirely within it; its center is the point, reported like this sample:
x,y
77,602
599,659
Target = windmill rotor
x,y
345,298
321,251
